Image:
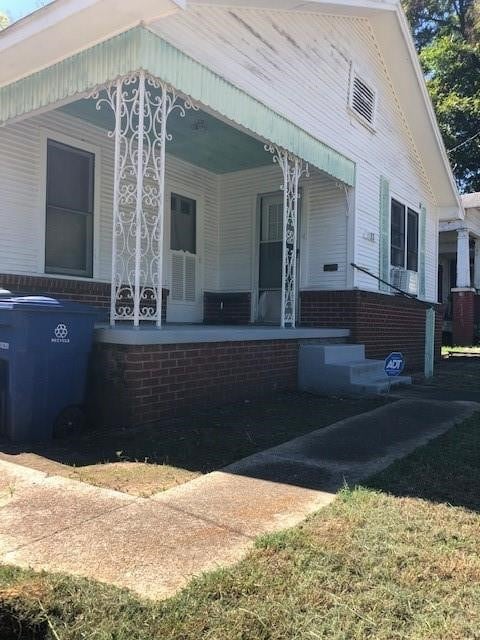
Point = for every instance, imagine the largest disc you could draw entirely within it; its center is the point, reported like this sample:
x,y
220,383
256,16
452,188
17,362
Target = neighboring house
x,y
459,273
246,156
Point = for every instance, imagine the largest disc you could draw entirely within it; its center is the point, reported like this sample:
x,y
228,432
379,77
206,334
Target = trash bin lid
x,y
43,303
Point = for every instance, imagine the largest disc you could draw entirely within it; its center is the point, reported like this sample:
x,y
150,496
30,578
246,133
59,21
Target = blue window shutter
x,y
421,251
384,234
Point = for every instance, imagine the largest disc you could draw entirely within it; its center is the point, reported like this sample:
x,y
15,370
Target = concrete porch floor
x,y
198,333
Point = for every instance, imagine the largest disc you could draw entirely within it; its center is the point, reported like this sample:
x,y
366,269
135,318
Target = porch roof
x,y
139,48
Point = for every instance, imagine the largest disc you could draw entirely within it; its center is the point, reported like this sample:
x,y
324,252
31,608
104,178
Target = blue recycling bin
x,y
44,349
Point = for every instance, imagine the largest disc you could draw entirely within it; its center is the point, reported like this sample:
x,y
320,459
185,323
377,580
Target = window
x,y
184,224
69,210
403,237
362,100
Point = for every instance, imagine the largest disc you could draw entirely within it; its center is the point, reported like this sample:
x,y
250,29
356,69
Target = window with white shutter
x,y
183,245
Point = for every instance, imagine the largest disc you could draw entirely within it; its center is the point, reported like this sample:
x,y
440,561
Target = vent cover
x,y
363,100
183,277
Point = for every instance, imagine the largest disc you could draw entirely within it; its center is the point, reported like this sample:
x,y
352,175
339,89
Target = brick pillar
x,y
463,316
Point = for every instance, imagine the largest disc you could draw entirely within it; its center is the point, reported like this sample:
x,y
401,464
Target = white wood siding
x,y
322,229
22,204
299,64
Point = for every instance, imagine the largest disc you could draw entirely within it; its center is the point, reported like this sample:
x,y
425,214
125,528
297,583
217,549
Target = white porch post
x,y
463,259
293,168
476,265
141,105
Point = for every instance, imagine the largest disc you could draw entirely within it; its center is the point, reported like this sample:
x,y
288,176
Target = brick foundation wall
x,y
463,320
383,323
226,308
476,309
95,294
132,385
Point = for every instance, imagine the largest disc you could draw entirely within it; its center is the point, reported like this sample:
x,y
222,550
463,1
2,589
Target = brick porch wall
x,y
383,323
95,294
226,308
132,385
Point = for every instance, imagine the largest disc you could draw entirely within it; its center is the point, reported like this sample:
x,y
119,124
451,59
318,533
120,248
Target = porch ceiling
x,y
198,138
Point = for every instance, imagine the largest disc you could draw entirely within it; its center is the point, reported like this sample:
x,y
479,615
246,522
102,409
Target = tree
x,y
4,21
447,36
452,68
432,18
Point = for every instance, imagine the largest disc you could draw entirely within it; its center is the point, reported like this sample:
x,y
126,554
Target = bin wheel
x,y
70,421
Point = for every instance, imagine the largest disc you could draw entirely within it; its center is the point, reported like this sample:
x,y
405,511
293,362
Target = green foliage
x,y
447,35
432,18
452,67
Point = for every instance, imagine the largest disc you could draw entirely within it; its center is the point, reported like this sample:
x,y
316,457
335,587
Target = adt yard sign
x,y
394,364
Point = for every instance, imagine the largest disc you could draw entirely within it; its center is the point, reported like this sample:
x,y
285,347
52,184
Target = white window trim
x,y
407,206
355,72
51,134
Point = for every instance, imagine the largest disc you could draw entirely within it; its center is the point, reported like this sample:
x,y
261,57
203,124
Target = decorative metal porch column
x,y
141,104
293,168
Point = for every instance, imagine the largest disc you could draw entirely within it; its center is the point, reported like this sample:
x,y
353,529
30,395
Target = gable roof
x,y
392,33
66,27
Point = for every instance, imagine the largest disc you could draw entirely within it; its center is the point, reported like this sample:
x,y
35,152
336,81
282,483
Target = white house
x,y
246,153
459,272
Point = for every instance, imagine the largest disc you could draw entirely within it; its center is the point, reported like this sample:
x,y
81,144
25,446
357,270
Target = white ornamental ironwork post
x,y
293,168
141,104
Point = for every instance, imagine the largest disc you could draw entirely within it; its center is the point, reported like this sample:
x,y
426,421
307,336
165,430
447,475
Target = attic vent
x,y
363,100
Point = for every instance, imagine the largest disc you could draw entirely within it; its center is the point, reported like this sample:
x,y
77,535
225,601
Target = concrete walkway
x,y
155,545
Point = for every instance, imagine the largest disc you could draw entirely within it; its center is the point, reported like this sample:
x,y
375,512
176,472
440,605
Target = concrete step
x,y
337,353
338,369
375,387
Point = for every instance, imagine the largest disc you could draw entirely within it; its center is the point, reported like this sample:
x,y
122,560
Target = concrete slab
x,y
265,495
36,506
147,547
357,447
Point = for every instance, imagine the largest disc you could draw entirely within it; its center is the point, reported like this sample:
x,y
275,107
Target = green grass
x,y
397,559
473,350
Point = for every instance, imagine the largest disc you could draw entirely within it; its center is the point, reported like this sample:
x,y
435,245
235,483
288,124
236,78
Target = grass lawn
x,y
396,559
144,460
464,351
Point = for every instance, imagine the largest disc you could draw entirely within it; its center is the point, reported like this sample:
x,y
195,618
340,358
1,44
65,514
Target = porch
x,y
459,280
198,195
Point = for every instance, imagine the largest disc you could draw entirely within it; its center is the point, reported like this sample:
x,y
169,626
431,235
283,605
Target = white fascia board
x,y
65,27
452,225
327,6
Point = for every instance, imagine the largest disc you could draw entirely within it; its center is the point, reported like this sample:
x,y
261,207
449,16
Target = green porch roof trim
x,y
139,48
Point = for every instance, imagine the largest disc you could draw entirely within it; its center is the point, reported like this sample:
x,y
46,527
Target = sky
x,y
18,8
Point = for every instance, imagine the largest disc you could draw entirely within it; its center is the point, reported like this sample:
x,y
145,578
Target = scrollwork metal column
x,y
141,104
293,168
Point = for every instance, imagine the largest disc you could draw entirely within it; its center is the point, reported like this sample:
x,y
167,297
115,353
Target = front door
x,y
270,259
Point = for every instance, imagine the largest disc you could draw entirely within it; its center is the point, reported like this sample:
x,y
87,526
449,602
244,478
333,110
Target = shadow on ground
x,y
174,451
447,470
456,378
204,441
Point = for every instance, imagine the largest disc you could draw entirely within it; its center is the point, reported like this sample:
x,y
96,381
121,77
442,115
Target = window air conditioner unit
x,y
405,280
